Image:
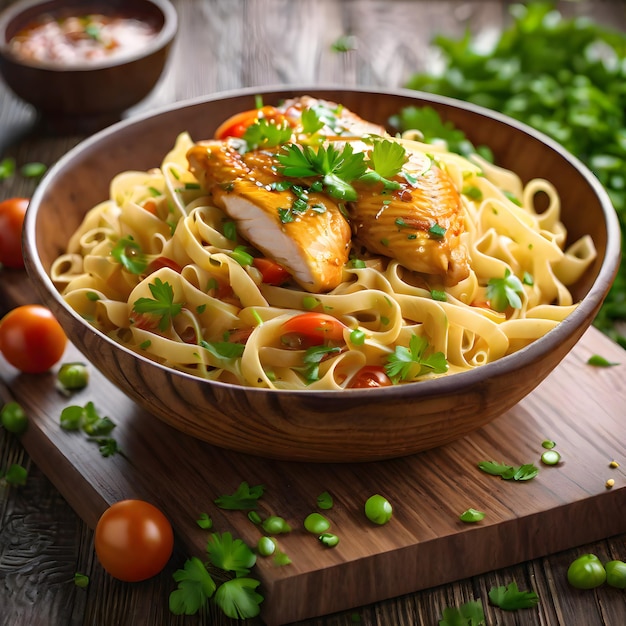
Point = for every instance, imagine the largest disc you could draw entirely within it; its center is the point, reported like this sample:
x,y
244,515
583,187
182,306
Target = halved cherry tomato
x,y
315,329
31,339
12,212
236,125
273,273
370,377
133,540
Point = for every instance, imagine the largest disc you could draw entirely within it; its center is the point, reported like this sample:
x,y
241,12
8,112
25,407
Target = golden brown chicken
x,y
419,224
302,230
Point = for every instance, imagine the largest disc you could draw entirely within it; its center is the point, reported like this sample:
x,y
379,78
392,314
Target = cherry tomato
x,y
133,540
31,339
236,125
370,377
315,329
586,572
12,212
161,262
273,273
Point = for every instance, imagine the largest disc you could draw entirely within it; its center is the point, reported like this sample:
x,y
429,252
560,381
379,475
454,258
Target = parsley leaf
x,y
386,160
509,472
244,498
128,253
313,357
231,555
409,363
311,121
504,292
468,614
238,599
195,587
161,304
223,349
510,598
337,168
264,133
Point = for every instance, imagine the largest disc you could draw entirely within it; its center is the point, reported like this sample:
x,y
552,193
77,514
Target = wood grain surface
x,y
228,44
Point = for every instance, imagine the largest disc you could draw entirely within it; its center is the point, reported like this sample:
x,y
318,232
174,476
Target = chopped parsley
x,y
161,304
412,362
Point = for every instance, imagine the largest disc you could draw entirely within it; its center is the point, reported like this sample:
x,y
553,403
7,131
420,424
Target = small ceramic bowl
x,y
86,94
349,425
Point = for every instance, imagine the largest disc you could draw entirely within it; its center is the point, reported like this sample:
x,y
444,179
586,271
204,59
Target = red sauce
x,y
81,39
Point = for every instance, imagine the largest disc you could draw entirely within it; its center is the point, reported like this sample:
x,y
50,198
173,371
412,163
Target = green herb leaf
x,y
599,361
510,598
264,133
409,363
128,253
504,292
231,555
161,304
223,349
244,498
312,359
195,587
204,521
468,614
509,472
238,599
81,580
336,168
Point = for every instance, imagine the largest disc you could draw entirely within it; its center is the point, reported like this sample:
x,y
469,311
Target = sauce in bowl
x,y
77,40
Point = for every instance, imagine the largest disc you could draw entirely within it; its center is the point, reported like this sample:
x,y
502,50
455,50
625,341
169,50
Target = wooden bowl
x,y
352,425
91,95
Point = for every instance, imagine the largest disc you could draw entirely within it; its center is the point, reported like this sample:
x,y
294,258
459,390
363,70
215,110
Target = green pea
x,y
13,418
378,509
586,572
616,574
329,540
316,523
73,376
471,516
275,525
266,546
550,457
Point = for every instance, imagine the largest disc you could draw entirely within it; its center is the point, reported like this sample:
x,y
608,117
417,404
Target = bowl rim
x,y
462,381
165,35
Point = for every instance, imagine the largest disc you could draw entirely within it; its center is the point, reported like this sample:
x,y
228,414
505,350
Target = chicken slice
x,y
311,239
419,225
338,120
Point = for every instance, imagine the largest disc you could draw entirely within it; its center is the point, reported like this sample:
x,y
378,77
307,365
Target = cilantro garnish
x,y
510,598
311,121
161,304
88,420
509,472
337,168
504,292
244,498
386,160
195,587
409,363
223,349
468,614
312,359
236,596
128,253
264,133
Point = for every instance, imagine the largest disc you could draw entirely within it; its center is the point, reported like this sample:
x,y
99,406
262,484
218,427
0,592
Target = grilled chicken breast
x,y
306,233
419,224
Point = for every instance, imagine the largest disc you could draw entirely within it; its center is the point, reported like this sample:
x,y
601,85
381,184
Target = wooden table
x,y
223,45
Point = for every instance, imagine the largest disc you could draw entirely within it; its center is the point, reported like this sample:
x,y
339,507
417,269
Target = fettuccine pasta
x,y
166,268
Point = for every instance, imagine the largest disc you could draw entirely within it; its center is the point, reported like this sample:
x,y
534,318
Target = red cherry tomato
x,y
273,273
12,212
370,377
236,125
31,339
314,329
133,540
161,262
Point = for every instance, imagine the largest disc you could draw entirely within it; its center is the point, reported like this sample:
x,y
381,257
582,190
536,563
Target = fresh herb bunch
x,y
565,77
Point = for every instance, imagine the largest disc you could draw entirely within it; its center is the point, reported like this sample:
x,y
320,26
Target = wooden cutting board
x,y
580,407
